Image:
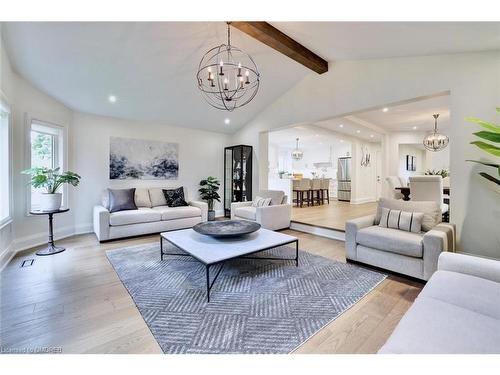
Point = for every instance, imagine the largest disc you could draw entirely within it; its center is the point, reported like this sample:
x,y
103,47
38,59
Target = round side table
x,y
51,248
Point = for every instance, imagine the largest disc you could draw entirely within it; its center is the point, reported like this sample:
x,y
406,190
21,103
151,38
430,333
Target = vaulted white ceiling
x,y
150,67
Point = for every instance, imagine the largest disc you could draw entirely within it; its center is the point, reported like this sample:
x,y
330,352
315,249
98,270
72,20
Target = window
x,y
5,167
46,142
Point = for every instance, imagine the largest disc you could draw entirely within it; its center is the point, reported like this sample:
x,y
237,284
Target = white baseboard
x,y
7,256
363,200
318,231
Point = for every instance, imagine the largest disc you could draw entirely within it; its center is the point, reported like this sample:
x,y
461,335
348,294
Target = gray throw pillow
x,y
121,199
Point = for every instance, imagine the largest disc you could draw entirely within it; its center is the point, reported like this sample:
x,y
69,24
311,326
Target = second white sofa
x,y
152,216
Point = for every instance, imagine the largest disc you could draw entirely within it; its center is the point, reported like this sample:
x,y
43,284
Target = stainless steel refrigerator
x,y
344,179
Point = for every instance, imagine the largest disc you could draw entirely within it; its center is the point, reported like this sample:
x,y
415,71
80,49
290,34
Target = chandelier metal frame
x,y
297,153
435,141
227,77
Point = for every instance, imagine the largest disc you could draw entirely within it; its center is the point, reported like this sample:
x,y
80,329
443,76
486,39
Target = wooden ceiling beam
x,y
272,37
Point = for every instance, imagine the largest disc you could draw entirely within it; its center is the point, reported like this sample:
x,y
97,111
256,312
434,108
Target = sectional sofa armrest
x,y
236,205
203,206
470,265
274,217
101,223
351,229
440,238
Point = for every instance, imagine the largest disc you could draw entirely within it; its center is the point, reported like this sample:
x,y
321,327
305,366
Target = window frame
x,y
4,221
61,155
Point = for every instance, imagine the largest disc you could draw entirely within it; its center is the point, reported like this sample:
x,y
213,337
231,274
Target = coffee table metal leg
x,y
211,284
161,248
297,253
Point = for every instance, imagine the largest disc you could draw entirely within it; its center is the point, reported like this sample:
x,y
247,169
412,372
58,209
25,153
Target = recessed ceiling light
x,y
385,109
227,121
358,131
414,128
371,136
112,99
316,135
341,141
341,125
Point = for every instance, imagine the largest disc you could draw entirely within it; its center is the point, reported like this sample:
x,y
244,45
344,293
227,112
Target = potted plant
x,y
443,173
208,192
51,180
491,134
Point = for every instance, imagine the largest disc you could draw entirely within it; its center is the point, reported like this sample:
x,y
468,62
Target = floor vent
x,y
27,263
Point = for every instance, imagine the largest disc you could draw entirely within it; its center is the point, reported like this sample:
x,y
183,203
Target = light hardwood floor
x,y
74,301
333,215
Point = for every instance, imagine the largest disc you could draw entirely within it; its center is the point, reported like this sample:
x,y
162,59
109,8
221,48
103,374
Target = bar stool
x,y
305,187
298,190
316,191
325,188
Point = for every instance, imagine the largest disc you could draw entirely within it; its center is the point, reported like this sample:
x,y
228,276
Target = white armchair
x,y
413,254
274,217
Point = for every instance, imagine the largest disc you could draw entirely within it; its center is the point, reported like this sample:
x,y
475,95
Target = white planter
x,y
50,202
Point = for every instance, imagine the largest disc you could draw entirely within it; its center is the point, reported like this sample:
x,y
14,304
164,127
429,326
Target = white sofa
x,y
152,216
276,216
412,254
457,312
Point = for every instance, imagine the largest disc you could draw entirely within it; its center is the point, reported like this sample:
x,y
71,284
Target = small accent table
x,y
51,248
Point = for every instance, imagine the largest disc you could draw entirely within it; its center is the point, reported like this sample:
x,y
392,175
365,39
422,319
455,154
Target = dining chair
x,y
325,189
428,188
394,182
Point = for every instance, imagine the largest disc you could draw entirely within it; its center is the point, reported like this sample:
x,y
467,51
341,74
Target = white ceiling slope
x,y
150,67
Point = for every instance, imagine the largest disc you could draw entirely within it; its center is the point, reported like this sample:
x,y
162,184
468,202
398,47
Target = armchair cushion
x,y
276,196
391,240
246,212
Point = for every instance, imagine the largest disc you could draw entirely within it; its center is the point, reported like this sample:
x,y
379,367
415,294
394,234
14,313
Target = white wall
x,y
364,178
349,86
412,150
200,155
27,102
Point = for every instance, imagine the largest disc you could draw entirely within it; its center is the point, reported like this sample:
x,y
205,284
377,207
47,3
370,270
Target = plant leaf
x,y
490,136
485,124
490,178
492,149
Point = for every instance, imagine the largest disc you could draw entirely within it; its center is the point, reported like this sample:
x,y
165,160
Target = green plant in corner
x,y
491,134
50,179
208,192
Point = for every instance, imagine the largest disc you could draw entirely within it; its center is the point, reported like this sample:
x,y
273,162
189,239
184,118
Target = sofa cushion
x,y
248,212
431,210
466,291
182,212
141,215
157,197
392,240
142,198
432,326
275,195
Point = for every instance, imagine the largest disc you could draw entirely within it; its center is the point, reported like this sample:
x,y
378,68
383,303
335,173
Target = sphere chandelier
x,y
227,77
435,141
297,154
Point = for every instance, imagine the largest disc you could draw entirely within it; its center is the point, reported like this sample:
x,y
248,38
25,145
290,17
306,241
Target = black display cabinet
x,y
237,176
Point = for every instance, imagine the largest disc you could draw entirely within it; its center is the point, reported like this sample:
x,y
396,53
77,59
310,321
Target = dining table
x,y
405,190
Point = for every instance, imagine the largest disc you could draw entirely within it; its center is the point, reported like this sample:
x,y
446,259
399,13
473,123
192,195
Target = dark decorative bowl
x,y
227,228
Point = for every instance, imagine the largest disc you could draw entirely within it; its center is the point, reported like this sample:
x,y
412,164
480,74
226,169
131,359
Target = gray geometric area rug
x,y
256,306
